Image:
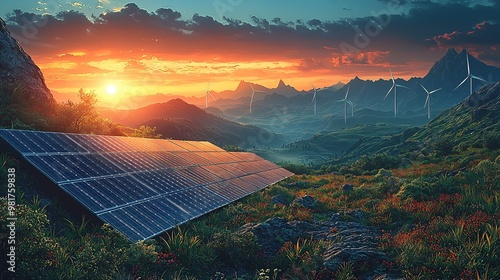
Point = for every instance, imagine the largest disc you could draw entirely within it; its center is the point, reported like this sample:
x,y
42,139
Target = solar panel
x,y
143,187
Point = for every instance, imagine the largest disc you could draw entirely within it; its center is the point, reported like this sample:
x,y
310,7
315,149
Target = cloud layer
x,y
130,42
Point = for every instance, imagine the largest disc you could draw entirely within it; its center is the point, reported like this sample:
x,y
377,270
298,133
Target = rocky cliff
x,y
18,69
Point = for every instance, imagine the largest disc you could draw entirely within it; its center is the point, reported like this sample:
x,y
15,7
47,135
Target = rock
x,y
307,201
350,240
17,68
279,199
347,188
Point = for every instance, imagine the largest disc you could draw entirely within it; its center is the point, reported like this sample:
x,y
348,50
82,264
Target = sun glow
x,y
111,89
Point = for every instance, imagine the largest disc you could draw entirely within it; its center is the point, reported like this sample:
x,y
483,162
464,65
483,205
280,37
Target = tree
x,y
146,132
82,117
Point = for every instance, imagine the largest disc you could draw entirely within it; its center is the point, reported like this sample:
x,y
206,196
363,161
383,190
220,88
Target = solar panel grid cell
x,y
143,187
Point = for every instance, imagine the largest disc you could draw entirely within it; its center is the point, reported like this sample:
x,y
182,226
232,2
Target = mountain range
x,y
179,120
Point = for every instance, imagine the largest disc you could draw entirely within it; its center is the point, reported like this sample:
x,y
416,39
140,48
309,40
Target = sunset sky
x,y
120,49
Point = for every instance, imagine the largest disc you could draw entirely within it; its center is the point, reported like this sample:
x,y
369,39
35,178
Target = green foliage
x,y
236,249
81,117
20,109
146,132
492,140
368,164
298,169
443,147
31,243
195,256
232,148
304,257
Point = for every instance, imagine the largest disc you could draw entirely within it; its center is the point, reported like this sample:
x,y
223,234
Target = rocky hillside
x,y
470,121
17,68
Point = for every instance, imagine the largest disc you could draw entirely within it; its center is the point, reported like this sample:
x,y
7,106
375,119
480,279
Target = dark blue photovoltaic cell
x,y
198,175
143,187
227,190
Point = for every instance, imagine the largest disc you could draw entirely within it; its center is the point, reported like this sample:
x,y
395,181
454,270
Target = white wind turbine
x,y
314,96
352,107
469,76
394,86
207,92
428,100
345,104
253,93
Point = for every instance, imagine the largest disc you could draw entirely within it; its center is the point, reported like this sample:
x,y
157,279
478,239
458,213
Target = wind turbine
x,y
251,99
352,107
345,104
314,96
429,100
469,76
207,91
394,86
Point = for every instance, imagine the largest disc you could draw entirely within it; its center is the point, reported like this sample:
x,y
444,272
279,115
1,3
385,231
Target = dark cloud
x,y
483,33
135,31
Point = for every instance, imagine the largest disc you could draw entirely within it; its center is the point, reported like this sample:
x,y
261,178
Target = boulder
x,y
279,199
307,201
351,241
347,188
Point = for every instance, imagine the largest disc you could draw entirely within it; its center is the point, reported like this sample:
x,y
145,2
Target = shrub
x,y
298,169
443,147
417,189
236,249
192,254
492,140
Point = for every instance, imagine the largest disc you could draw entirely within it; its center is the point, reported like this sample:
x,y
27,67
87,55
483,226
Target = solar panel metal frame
x,y
120,178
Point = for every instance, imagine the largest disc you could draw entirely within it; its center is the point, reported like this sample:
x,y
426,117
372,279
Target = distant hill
x,y
177,119
467,124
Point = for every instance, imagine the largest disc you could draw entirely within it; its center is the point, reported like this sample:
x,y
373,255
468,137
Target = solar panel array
x,y
143,187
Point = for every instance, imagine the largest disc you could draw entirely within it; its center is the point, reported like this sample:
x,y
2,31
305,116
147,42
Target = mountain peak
x,y
242,86
451,52
281,84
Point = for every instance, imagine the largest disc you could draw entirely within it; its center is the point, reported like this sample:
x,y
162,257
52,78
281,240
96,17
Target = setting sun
x,y
111,89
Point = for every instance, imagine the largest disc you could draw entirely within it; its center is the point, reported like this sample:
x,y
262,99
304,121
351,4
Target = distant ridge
x,y
179,120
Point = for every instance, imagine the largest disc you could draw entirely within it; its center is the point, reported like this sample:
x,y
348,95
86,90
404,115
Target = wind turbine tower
x,y
207,92
394,86
428,100
469,76
345,104
314,96
251,99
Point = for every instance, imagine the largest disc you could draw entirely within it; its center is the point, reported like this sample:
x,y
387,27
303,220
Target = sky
x,y
120,48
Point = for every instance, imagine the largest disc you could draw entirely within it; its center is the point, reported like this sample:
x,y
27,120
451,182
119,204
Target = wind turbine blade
x,y
347,93
426,100
314,97
468,66
424,88
435,90
337,101
466,78
478,78
401,86
251,102
209,93
315,89
253,90
389,92
392,76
